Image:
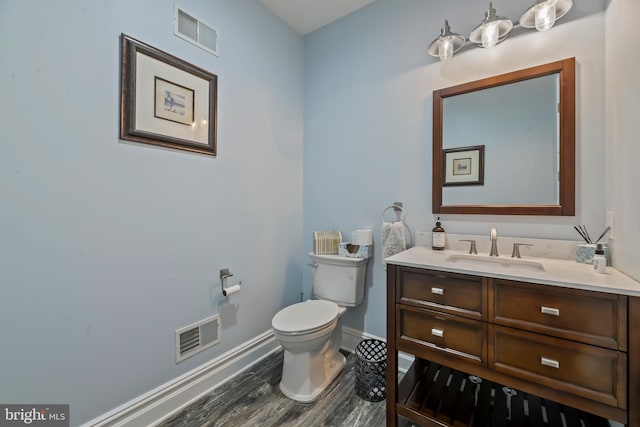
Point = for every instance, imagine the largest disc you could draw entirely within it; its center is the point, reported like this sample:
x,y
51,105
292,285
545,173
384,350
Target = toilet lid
x,y
305,316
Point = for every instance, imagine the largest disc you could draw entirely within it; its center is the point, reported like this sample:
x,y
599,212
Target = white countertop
x,y
557,272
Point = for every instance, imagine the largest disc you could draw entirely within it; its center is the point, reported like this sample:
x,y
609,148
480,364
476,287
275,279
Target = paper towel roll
x,y
362,237
231,290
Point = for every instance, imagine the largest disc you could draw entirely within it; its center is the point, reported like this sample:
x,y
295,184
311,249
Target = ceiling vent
x,y
191,29
197,337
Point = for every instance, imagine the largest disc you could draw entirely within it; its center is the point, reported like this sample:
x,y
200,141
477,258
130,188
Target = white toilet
x,y
310,331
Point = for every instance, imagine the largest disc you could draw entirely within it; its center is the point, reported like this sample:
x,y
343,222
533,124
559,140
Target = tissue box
x,y
349,250
585,253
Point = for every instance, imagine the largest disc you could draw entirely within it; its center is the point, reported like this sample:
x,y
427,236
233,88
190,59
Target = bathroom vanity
x,y
488,334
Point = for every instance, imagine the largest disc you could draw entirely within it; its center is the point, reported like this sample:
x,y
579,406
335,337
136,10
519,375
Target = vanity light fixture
x,y
446,44
494,29
544,14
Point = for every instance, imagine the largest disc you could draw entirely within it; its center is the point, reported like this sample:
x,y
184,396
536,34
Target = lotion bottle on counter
x,y
599,260
438,237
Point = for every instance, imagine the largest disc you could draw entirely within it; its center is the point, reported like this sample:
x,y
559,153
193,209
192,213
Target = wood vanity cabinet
x,y
571,347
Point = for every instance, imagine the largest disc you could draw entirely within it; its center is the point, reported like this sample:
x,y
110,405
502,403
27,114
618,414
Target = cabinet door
x,y
428,333
458,294
583,370
589,317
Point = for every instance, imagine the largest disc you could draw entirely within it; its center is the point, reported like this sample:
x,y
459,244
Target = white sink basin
x,y
497,261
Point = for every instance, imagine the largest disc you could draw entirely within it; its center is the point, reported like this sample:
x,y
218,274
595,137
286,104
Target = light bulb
x,y
445,48
490,34
545,15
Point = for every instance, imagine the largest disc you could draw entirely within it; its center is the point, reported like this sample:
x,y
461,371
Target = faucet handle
x,y
494,242
472,247
516,249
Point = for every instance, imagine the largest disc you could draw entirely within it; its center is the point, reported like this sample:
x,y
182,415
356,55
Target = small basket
x,y
326,242
371,369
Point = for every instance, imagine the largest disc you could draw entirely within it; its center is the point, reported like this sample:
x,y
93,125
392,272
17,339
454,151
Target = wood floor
x,y
254,399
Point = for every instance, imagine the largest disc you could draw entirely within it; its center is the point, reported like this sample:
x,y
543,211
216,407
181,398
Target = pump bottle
x,y
438,237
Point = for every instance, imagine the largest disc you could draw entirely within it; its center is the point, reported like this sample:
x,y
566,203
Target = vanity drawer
x,y
580,369
421,329
458,294
590,317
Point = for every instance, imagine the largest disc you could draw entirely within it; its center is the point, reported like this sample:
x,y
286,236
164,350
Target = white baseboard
x,y
159,403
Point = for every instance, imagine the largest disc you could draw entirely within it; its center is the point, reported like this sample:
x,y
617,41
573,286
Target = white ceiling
x,y
306,16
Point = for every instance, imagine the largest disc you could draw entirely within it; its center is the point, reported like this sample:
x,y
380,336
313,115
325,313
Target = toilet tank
x,y
338,279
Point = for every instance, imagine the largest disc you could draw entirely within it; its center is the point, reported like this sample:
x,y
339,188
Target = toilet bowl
x,y
310,334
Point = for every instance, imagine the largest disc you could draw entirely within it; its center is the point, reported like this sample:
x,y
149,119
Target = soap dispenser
x,y
438,237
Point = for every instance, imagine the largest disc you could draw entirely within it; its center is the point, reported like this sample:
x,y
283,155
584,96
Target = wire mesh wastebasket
x,y
371,368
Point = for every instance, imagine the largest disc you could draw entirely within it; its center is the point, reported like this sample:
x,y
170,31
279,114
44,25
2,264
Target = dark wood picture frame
x,y
180,114
463,166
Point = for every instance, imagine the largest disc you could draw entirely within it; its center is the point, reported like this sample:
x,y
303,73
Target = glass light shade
x,y
492,30
445,49
446,44
544,13
490,34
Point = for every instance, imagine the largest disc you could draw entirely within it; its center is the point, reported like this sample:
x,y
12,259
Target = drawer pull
x,y
549,362
437,332
549,310
437,291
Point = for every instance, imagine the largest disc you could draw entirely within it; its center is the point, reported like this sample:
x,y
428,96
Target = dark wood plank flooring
x,y
253,398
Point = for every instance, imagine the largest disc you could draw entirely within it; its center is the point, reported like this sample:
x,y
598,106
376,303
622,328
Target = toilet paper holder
x,y
224,273
226,291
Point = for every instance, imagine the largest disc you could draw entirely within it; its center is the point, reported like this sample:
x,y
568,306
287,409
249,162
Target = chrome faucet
x,y
494,242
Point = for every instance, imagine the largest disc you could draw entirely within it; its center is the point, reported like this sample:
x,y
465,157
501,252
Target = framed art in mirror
x,y
166,101
463,166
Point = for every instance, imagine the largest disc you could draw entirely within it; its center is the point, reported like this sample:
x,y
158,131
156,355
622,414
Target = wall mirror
x,y
505,145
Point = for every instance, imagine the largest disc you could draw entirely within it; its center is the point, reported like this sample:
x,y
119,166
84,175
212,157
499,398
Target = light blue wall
x,y
107,247
368,112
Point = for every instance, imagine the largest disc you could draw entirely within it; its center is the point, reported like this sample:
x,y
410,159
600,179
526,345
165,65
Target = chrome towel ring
x,y
400,212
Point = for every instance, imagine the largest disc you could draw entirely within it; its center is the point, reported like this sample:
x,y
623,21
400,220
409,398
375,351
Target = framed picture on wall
x,y
166,101
463,166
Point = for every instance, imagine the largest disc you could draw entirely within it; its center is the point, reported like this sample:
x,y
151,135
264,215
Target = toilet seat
x,y
305,317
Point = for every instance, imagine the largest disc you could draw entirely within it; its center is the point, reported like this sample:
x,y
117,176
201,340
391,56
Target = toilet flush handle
x,y
313,265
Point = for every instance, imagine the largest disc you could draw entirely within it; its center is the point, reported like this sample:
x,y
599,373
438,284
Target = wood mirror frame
x,y
566,203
